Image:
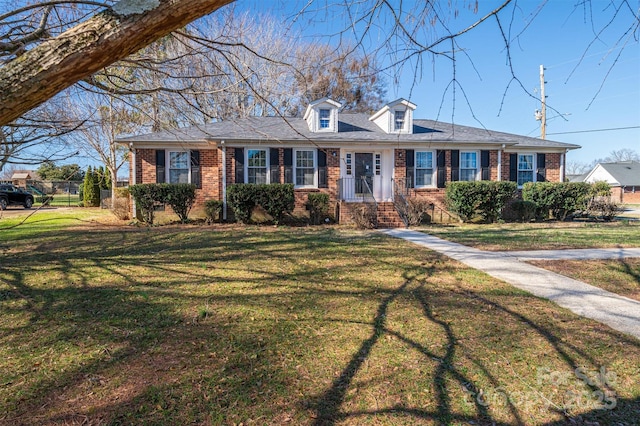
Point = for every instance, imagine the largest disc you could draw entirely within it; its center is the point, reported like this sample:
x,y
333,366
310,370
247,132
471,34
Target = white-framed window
x,y
378,164
468,165
349,163
424,168
178,166
305,168
398,120
257,166
325,118
525,168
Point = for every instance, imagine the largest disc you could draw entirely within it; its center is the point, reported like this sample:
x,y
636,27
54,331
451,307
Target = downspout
x,y
224,180
500,162
132,173
562,165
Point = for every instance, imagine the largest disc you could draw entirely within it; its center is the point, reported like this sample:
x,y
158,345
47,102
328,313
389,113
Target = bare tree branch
x,y
79,52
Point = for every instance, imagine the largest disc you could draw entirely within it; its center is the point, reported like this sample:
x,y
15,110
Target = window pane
x,y
304,159
468,160
257,175
325,118
424,160
257,158
178,176
524,177
399,120
468,174
178,167
525,162
305,168
178,160
424,177
304,177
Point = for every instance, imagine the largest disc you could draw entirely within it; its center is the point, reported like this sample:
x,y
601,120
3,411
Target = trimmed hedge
x,y
525,211
276,199
484,198
213,210
180,196
318,206
560,198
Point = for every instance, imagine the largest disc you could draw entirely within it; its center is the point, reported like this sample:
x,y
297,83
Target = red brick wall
x,y
628,195
145,166
553,167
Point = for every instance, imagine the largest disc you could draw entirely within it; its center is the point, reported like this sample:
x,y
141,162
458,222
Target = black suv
x,y
10,194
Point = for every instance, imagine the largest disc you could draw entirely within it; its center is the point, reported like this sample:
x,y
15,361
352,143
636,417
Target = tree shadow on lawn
x,y
136,348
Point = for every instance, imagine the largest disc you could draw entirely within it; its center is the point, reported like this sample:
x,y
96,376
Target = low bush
x,y
417,211
483,198
525,211
180,196
364,216
561,199
241,198
121,208
276,199
318,206
213,210
146,195
603,208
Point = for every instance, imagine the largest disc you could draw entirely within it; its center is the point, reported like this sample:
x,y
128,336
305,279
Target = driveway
x,y
618,312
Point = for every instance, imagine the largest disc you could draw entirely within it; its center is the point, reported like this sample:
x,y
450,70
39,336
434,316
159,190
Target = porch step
x,y
388,216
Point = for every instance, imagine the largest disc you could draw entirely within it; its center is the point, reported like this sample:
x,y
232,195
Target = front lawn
x,y
106,324
540,236
617,276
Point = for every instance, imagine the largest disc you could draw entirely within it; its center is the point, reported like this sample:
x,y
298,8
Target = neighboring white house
x,y
623,176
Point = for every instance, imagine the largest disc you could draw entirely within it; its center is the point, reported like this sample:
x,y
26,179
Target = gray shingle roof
x,y
627,173
351,128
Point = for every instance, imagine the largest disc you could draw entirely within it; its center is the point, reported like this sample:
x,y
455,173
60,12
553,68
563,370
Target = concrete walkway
x,y
618,312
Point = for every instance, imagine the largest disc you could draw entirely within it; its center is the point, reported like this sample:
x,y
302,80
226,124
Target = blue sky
x,y
585,90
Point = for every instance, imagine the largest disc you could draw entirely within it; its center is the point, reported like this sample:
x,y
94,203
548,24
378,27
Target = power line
x,y
595,130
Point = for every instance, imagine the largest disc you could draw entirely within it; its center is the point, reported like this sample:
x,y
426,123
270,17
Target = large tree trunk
x,y
109,36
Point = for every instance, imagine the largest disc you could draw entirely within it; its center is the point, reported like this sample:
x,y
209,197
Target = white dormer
x,y
322,115
395,117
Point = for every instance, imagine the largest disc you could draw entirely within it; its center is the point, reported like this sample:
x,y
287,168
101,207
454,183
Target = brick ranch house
x,y
352,157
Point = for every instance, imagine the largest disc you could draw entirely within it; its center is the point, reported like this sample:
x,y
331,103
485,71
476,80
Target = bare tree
x,y
46,46
36,75
102,118
624,154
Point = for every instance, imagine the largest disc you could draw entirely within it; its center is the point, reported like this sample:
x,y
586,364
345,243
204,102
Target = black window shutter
x,y
196,178
160,166
410,157
274,165
513,167
322,158
455,165
239,160
542,168
322,169
484,165
442,172
288,165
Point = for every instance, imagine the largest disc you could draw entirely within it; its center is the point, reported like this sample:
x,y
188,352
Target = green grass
x,y
106,324
540,236
65,200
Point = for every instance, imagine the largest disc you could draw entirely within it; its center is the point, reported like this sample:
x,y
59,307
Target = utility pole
x,y
543,111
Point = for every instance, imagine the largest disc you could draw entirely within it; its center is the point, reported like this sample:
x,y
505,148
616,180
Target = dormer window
x,y
398,120
325,118
395,117
322,115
